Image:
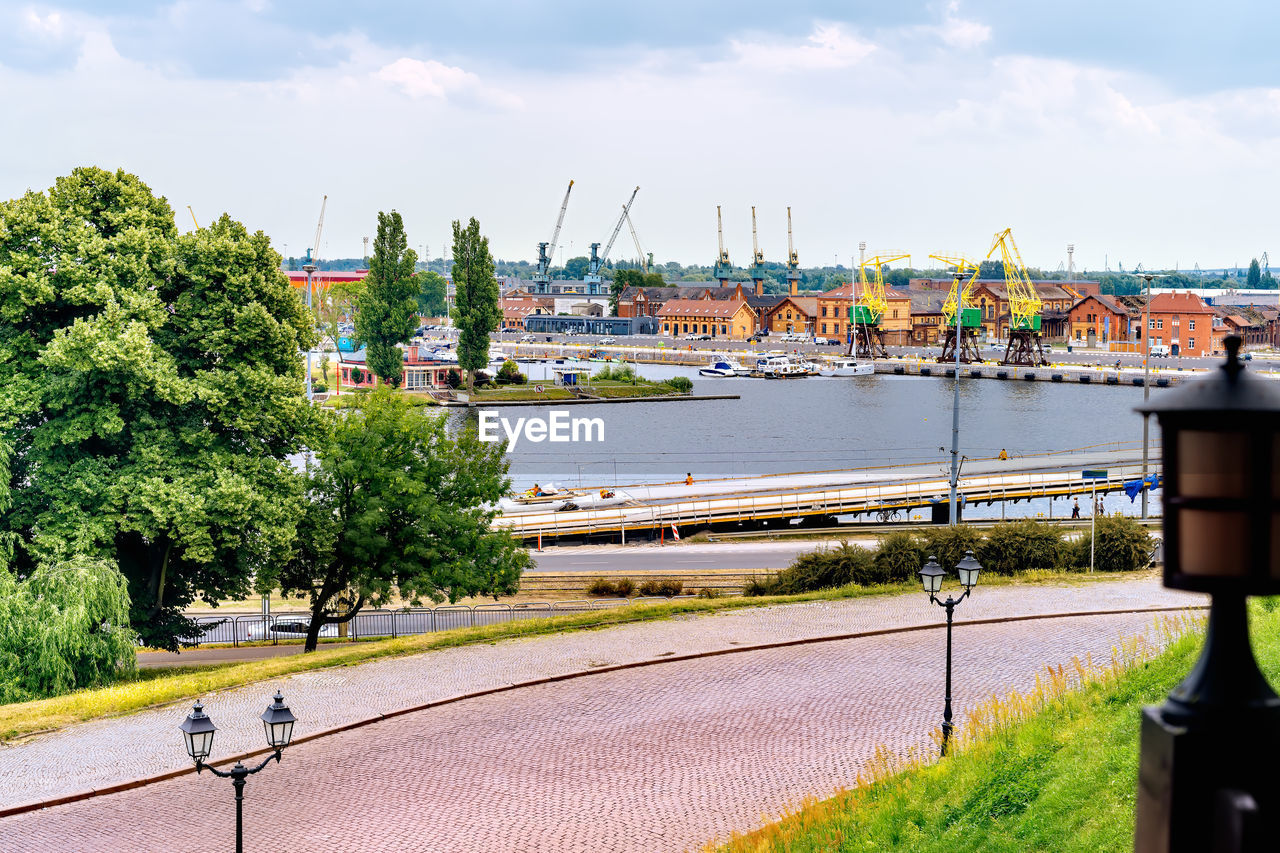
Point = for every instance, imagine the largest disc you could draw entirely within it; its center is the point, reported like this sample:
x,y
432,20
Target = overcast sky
x,y
1141,131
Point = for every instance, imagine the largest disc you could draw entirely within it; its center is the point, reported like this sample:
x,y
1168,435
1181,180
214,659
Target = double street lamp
x,y
931,577
197,730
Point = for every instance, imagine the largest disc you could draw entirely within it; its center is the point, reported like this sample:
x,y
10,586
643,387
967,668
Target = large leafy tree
x,y
475,310
1253,280
150,392
432,294
398,505
386,311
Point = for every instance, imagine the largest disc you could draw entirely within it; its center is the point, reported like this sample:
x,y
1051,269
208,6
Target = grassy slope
x,y
1062,780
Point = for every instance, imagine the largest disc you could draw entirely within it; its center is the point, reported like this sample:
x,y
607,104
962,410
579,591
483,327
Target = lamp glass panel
x,y
278,734
1213,544
1213,464
968,577
199,744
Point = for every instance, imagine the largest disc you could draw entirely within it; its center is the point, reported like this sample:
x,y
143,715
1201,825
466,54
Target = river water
x,y
812,424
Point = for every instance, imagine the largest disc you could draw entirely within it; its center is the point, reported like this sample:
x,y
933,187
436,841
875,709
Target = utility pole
x,y
1146,385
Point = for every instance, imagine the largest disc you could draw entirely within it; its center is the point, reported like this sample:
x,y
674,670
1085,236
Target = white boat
x,y
724,367
781,367
847,367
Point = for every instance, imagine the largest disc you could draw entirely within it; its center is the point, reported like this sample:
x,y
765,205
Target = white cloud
x,y
829,46
432,79
48,25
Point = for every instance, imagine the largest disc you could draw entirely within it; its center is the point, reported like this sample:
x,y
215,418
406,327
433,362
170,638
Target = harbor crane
x,y
723,268
1024,346
542,275
197,224
970,316
592,277
646,260
793,261
868,309
757,257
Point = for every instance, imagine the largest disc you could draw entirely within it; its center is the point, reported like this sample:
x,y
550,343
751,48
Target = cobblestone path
x,y
651,759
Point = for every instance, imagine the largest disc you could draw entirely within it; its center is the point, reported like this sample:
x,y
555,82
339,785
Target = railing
x,y
256,627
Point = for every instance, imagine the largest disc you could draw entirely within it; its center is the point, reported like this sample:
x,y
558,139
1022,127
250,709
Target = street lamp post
x,y
931,577
955,406
1207,770
197,730
1146,382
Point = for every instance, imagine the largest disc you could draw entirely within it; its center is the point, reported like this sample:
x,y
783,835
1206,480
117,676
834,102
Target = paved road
x,y
654,759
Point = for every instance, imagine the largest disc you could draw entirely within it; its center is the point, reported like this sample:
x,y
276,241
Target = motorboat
x,y
724,367
781,367
846,367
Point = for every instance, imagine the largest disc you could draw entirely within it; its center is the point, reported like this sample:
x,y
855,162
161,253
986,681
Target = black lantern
x,y
197,730
278,722
1221,455
931,576
968,569
1206,778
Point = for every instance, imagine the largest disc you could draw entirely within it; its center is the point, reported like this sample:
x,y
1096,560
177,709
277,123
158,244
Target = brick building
x,y
1186,324
833,314
732,319
1098,320
791,314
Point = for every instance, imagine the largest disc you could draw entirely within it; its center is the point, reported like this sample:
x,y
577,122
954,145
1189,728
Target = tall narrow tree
x,y
475,310
386,313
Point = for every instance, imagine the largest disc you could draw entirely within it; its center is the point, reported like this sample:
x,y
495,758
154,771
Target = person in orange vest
x,y
1003,454
688,479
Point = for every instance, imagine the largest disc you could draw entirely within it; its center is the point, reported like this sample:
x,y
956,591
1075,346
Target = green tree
x,y
398,505
433,291
576,268
150,394
386,311
64,627
1254,279
475,308
622,279
991,269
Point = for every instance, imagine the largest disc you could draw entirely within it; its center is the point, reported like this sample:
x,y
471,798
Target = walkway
x,y
656,758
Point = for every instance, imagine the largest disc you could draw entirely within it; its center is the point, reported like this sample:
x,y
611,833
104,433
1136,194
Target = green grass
x,y
159,687
1062,778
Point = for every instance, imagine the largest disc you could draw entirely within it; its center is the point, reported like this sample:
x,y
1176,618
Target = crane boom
x,y
193,219
793,260
724,256
963,267
756,254
1024,301
644,265
873,302
313,256
555,235
626,208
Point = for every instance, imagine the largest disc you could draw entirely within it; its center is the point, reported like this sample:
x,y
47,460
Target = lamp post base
x,y
1207,789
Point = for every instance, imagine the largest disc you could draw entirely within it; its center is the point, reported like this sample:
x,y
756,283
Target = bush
x,y
453,379
816,570
680,384
509,374
600,586
899,558
618,373
1017,546
319,388
624,587
664,586
948,544
357,375
708,592
1121,544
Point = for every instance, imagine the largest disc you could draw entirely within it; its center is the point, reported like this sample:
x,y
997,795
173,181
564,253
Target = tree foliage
x,y
64,627
150,392
386,312
1253,280
433,290
395,504
475,310
1016,546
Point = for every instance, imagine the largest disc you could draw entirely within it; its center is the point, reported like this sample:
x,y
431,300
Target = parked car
x,y
825,342
757,337
299,629
1160,351
528,339
608,341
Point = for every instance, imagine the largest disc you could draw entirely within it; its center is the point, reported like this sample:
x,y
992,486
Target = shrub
x,y
624,587
708,592
600,586
618,373
1017,546
948,544
319,388
665,586
453,379
509,374
357,375
824,569
680,384
1121,544
899,557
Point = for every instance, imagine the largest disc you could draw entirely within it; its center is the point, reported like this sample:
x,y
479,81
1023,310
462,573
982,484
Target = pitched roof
x,y
1179,303
720,308
1107,302
852,290
808,305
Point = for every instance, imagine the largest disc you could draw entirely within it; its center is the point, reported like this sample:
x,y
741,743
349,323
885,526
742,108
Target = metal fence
x,y
274,627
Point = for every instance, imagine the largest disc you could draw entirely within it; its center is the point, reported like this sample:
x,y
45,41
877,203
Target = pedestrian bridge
x,y
647,511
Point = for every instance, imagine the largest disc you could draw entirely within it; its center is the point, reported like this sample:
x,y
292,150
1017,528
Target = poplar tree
x,y
475,310
386,310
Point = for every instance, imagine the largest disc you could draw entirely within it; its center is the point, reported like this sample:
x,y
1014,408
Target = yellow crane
x,y
970,316
193,216
1024,304
869,307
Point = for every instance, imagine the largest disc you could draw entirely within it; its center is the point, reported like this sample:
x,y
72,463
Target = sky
x,y
1141,132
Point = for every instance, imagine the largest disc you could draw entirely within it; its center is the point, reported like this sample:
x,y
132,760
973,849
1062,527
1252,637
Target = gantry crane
x,y
970,316
646,261
757,257
793,261
868,310
542,277
723,269
592,278
1024,305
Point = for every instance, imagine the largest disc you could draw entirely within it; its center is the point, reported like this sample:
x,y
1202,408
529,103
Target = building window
x,y
1191,324
724,330
895,313
1151,323
1177,320
1160,323
1191,343
686,327
788,315
824,327
824,310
